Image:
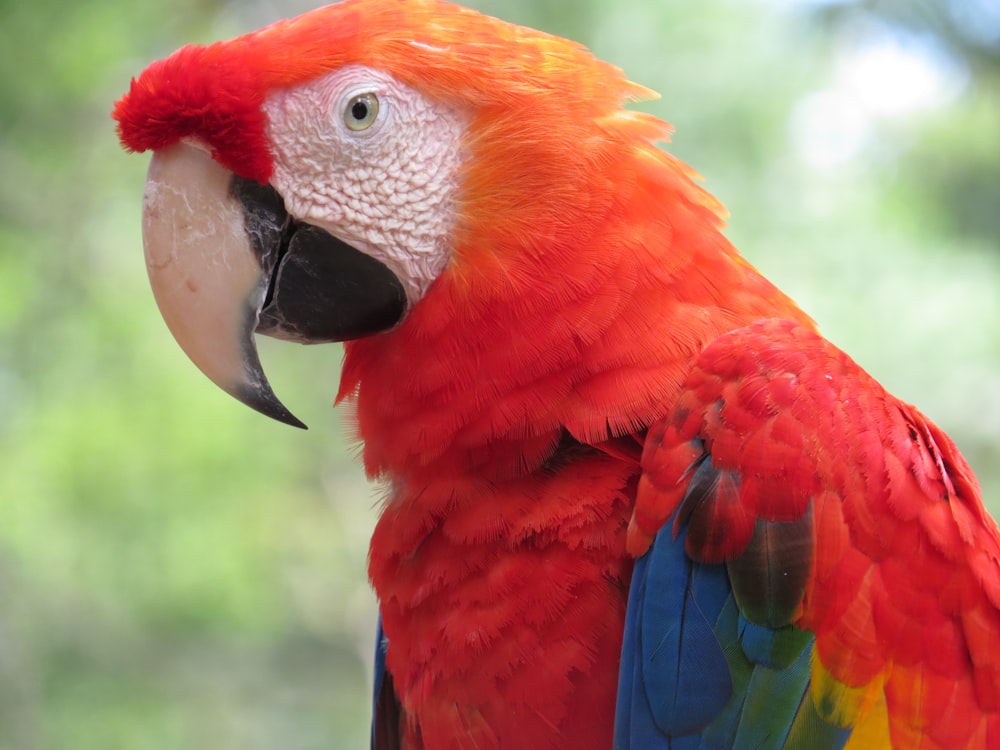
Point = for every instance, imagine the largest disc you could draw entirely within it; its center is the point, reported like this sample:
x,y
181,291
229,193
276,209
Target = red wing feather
x,y
876,536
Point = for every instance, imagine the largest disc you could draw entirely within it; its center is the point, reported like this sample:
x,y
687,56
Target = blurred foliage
x,y
178,572
946,171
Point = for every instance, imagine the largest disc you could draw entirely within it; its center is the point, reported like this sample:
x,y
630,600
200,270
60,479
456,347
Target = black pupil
x,y
359,110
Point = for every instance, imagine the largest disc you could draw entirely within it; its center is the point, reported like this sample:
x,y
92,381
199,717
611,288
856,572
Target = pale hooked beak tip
x,y
207,281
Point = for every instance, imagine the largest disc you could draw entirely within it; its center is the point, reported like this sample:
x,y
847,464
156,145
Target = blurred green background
x,y
179,572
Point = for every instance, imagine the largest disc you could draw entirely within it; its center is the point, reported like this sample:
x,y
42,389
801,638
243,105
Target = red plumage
x,y
594,359
901,586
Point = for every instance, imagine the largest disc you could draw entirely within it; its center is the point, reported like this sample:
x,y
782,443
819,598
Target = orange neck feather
x,y
575,300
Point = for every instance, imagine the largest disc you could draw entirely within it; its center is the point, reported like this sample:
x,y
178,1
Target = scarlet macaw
x,y
635,499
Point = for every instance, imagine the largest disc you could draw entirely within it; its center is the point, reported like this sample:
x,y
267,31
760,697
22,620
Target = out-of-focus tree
x,y
951,171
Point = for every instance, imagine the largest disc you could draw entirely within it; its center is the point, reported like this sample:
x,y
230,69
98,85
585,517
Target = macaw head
x,y
317,180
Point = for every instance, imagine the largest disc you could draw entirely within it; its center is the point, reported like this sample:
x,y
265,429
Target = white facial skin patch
x,y
374,163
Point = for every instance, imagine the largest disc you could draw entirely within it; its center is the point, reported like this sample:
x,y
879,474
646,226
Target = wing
x,y
816,568
386,711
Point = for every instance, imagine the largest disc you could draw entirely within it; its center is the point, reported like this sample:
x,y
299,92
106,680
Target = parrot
x,y
632,498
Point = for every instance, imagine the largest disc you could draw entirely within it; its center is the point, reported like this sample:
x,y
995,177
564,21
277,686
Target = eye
x,y
361,111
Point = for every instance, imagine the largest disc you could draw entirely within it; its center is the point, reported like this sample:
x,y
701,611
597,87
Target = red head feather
x,y
215,93
565,203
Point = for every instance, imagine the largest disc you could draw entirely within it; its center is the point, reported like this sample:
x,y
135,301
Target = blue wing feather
x,y
681,656
381,647
674,677
697,675
386,711
633,718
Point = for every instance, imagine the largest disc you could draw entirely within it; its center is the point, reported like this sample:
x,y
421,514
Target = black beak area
x,y
320,288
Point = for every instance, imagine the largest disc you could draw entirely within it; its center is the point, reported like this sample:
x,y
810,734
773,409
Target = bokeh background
x,y
178,572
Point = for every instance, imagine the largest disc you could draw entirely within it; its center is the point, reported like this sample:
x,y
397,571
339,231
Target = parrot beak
x,y
225,260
